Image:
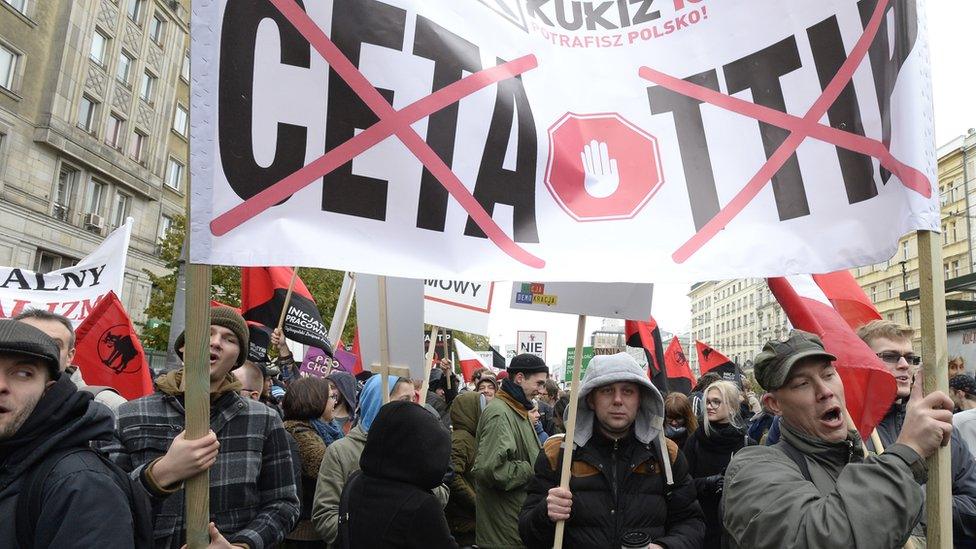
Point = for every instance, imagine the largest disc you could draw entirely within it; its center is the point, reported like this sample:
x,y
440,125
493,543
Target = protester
x,y
477,374
436,389
342,391
957,366
558,414
254,501
390,504
697,393
307,399
535,416
460,510
816,488
59,328
964,423
761,425
46,426
251,380
341,459
630,487
286,363
750,405
680,421
893,344
487,386
962,390
546,401
710,449
507,448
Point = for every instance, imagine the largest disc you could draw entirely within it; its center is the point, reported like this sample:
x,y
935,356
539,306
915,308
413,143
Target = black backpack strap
x,y
343,534
797,457
31,492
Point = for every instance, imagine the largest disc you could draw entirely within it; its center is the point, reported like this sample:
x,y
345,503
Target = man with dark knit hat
x,y
507,450
253,496
46,427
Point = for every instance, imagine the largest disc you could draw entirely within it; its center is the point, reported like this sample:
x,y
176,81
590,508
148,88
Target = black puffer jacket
x,y
618,488
407,455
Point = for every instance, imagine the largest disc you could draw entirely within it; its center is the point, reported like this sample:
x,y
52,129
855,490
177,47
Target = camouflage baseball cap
x,y
773,363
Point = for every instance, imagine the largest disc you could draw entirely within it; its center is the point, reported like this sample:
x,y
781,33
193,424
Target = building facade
x,y
94,128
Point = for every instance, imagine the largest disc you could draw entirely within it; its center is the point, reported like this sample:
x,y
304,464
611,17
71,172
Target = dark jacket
x,y
253,495
963,478
308,456
82,505
708,456
618,487
460,510
407,455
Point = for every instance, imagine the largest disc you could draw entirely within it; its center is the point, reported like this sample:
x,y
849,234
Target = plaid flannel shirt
x,y
253,495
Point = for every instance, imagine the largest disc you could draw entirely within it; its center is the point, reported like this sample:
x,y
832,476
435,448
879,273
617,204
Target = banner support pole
x,y
284,308
384,340
935,370
447,356
429,360
571,424
343,306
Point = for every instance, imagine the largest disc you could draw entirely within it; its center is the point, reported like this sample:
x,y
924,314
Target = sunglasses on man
x,y
892,357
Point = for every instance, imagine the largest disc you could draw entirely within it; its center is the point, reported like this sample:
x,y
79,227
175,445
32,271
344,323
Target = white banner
x,y
458,304
532,342
73,291
553,140
405,322
626,301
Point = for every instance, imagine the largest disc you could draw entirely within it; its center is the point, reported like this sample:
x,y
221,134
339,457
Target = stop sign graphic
x,y
601,167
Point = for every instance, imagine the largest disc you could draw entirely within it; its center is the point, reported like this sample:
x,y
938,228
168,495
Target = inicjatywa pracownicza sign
x,y
557,140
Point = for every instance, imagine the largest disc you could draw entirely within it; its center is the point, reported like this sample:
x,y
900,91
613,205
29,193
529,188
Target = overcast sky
x,y
954,91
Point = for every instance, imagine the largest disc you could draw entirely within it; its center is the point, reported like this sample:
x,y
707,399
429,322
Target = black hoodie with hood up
x,y
407,455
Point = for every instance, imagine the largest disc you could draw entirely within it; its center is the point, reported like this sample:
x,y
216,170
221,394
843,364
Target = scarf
x,y
171,383
329,431
60,404
515,391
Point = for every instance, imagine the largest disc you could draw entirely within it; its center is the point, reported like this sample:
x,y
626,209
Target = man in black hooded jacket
x,y
43,413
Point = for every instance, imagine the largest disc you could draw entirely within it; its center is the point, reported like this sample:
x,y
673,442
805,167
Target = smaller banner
x,y
405,322
442,347
532,342
458,304
571,357
316,363
263,292
347,361
109,353
609,300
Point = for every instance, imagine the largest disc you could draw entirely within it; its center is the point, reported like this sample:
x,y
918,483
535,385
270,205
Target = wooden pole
x,y
447,356
570,424
284,308
343,306
853,426
936,378
876,440
431,347
196,379
384,341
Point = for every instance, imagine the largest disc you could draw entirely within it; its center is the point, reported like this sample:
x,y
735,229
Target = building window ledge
x,y
10,93
30,22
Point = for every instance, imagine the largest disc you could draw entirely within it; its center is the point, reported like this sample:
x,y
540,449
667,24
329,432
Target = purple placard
x,y
316,363
347,360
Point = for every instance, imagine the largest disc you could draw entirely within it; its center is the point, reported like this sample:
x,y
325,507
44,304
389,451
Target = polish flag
x,y
869,388
470,361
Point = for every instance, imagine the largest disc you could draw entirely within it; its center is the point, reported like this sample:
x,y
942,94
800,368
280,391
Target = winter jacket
x,y
460,510
965,423
253,496
619,487
963,478
82,505
708,456
391,504
507,448
852,501
311,448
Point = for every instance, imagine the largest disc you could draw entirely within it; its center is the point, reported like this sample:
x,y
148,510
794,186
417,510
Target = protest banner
x,y
343,305
73,291
611,301
571,358
108,351
399,345
721,137
458,304
277,297
316,363
531,342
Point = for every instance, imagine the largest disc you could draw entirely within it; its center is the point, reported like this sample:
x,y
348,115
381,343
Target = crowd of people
x,y
307,462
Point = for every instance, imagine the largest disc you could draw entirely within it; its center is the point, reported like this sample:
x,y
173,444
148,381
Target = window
x,y
135,10
98,46
904,250
93,200
955,269
952,229
874,294
48,261
113,133
946,271
185,69
180,120
138,147
148,86
890,290
65,191
86,113
8,67
174,174
164,226
156,28
19,5
121,209
124,70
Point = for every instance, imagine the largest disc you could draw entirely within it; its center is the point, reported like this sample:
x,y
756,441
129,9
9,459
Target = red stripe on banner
x,y
392,123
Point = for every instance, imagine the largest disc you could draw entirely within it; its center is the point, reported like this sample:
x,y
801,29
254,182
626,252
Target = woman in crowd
x,y
342,390
465,413
680,419
307,400
710,449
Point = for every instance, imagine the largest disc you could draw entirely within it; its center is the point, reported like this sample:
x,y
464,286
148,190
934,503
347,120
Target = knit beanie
x,y
225,317
528,364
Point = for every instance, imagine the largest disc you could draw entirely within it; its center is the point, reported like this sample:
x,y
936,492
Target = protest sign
x,y
275,296
458,304
606,300
73,291
533,343
405,309
571,356
666,140
316,363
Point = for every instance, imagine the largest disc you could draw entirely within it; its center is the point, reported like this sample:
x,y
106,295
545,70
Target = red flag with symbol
x,y
710,360
680,378
647,335
109,353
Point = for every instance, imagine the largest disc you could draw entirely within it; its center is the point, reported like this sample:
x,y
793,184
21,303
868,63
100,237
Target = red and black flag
x,y
710,360
263,291
680,378
647,335
109,353
259,340
497,360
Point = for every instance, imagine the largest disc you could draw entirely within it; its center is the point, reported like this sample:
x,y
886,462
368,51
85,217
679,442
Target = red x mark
x,y
800,129
391,122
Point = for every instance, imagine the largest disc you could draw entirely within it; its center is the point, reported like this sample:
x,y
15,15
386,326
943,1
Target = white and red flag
x,y
809,303
468,359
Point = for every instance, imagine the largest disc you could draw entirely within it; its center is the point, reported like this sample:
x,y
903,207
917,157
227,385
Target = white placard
x,y
458,304
627,301
531,342
405,326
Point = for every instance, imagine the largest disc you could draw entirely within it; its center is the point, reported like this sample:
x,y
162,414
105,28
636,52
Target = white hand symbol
x,y
602,178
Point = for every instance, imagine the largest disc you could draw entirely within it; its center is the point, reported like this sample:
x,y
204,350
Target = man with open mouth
x,y
893,344
816,487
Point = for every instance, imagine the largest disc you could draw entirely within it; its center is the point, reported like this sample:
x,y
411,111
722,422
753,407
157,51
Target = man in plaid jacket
x,y
253,495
